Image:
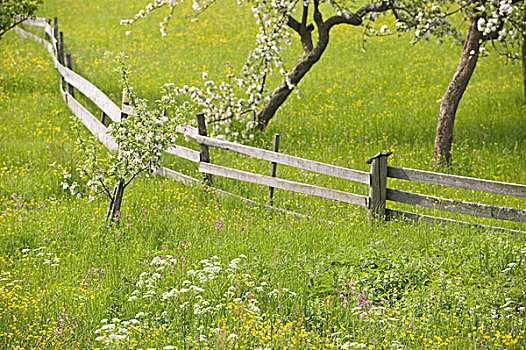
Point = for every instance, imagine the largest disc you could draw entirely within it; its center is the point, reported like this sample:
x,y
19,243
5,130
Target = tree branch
x,y
398,16
13,25
508,56
293,24
100,192
372,7
133,177
357,18
318,18
302,29
345,18
105,188
263,83
411,15
304,15
459,9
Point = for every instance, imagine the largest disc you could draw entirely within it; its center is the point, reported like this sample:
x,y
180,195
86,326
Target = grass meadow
x,y
187,269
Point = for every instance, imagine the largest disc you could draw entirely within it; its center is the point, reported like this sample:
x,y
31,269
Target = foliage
x,y
501,22
504,23
13,12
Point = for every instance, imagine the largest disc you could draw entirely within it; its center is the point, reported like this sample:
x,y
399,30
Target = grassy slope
x,y
441,287
351,108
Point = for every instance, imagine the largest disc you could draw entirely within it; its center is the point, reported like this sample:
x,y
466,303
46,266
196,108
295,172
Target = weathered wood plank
x,y
91,92
284,184
187,130
280,158
393,214
53,49
49,47
273,167
55,34
34,22
103,118
91,123
127,109
48,30
507,189
28,35
453,206
185,153
253,203
167,172
61,48
69,64
378,184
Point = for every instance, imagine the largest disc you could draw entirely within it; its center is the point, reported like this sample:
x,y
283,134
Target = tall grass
x,y
69,281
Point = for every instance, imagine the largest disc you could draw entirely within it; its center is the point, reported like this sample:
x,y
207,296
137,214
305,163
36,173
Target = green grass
x,y
416,286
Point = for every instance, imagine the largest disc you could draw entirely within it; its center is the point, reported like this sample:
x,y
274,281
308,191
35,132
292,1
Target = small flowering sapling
x,y
141,139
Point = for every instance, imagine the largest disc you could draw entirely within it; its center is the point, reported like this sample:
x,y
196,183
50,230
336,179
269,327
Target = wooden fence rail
x,y
482,210
504,188
282,184
376,178
280,158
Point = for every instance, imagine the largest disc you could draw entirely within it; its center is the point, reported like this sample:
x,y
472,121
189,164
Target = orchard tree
x,y
492,25
14,12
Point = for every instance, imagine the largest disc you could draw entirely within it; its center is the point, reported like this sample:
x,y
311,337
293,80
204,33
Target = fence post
x,y
205,155
378,185
46,35
56,44
125,103
55,29
273,167
103,118
69,65
61,48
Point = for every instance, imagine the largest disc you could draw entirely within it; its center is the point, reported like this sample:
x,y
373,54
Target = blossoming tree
x,y
243,102
496,23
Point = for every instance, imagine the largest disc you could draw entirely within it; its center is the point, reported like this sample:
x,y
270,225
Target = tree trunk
x,y
454,92
280,94
115,203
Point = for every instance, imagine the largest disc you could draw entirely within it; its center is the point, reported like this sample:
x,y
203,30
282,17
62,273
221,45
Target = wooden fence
x,y
375,179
